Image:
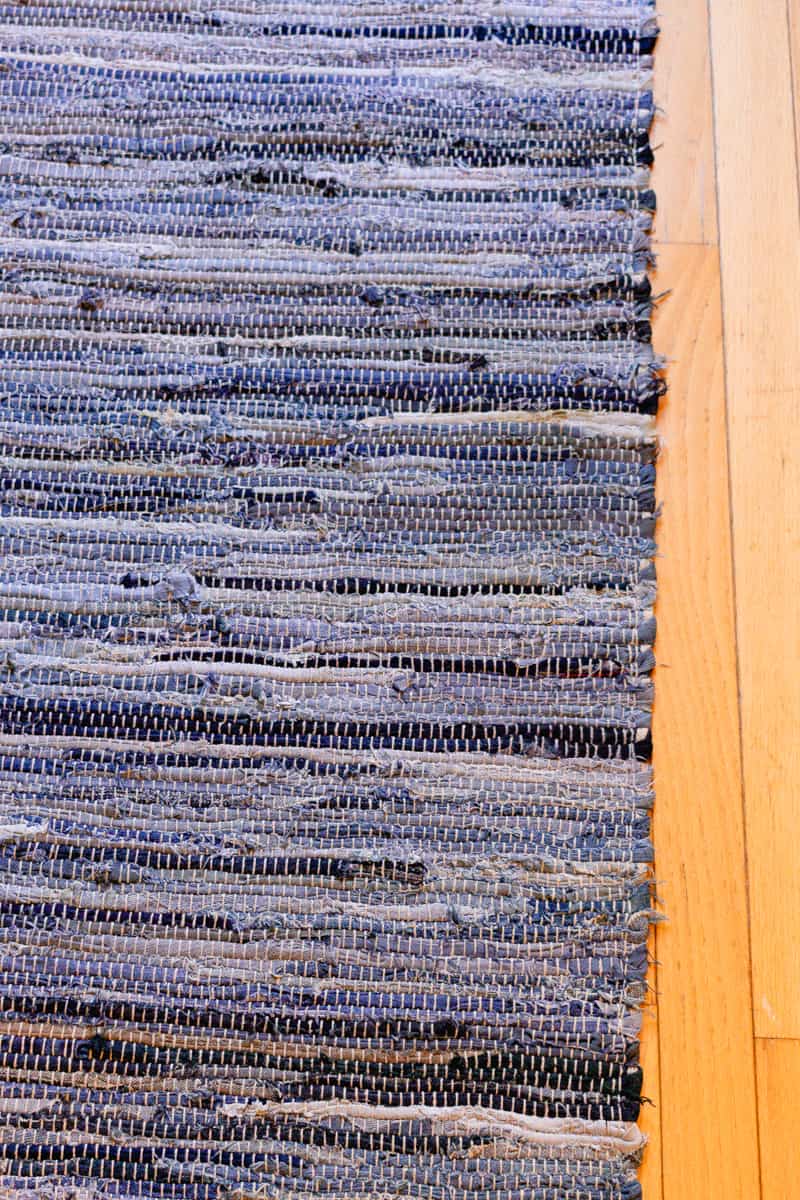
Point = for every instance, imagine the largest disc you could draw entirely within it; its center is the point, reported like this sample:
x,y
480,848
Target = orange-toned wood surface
x,y
778,1065
722,1050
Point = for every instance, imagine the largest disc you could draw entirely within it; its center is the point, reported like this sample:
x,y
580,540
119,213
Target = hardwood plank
x,y
759,222
704,1020
683,172
709,1141
794,47
778,1063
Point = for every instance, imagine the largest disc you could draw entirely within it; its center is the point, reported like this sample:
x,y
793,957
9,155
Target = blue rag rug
x,y
327,458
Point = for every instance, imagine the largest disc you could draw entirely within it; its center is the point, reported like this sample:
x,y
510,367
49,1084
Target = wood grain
x,y
778,1075
682,134
719,1087
709,1142
793,12
759,222
708,1135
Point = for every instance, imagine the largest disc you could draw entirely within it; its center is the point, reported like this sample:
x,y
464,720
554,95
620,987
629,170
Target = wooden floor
x,y
722,1045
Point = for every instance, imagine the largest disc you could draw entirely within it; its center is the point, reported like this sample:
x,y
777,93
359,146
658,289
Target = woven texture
x,y
327,514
